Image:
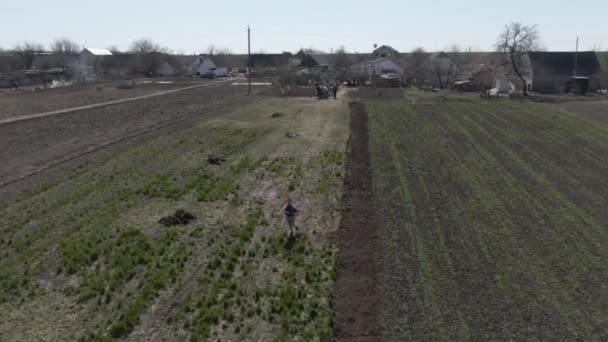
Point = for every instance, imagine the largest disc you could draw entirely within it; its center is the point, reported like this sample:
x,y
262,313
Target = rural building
x,y
503,84
91,57
89,61
377,67
602,59
9,63
267,61
202,65
553,72
385,51
50,61
318,61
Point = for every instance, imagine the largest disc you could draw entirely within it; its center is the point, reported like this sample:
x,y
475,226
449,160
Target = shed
x,y
553,72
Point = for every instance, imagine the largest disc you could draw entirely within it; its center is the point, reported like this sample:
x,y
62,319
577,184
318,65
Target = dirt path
x,y
355,296
108,103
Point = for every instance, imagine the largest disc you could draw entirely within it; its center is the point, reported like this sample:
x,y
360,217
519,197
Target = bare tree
x,y
145,45
114,49
211,50
64,46
223,51
516,41
447,67
26,52
341,59
150,55
417,63
311,50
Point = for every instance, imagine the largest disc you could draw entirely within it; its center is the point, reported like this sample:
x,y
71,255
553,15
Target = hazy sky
x,y
189,26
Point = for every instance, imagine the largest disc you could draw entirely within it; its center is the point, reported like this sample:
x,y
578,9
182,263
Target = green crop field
x,y
84,256
494,219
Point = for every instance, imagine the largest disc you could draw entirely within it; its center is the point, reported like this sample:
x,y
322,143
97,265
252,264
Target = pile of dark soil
x,y
276,115
180,217
292,134
215,159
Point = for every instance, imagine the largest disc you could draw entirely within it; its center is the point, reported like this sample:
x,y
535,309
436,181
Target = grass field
x,y
494,219
84,257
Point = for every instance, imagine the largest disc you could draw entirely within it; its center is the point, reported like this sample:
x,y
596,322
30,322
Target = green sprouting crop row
x,y
153,264
491,219
76,214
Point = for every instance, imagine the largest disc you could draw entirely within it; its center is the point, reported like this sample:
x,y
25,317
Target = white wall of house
x,y
377,67
387,66
202,65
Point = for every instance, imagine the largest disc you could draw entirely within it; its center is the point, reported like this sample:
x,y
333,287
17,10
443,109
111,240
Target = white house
x,y
202,65
503,84
90,56
377,67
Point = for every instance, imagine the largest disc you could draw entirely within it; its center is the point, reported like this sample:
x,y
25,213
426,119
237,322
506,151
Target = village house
x,y
91,57
602,59
384,51
202,65
554,72
377,67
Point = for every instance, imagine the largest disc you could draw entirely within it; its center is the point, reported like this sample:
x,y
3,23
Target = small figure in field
x,y
335,89
290,214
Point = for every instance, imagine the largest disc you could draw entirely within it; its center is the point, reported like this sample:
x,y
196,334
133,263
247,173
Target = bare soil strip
x,y
355,297
103,104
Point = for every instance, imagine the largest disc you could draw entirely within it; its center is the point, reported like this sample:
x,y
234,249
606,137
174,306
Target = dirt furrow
x,y
355,295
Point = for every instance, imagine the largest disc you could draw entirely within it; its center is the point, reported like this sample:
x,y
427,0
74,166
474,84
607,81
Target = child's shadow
x,y
291,241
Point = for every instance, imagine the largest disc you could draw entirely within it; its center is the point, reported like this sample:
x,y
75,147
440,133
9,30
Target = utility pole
x,y
249,60
576,58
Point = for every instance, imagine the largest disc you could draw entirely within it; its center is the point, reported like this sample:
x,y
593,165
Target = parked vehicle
x,y
209,75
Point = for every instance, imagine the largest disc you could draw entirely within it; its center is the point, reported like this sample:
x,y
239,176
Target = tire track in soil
x,y
26,117
356,298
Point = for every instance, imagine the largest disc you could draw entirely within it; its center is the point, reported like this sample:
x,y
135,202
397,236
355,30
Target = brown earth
x,y
29,146
370,92
17,103
596,110
355,295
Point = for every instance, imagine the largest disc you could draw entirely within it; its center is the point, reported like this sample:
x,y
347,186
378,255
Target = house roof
x,y
563,62
378,60
377,51
99,52
258,60
321,58
602,59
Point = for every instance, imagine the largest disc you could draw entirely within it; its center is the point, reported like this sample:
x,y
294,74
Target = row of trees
x,y
62,47
513,44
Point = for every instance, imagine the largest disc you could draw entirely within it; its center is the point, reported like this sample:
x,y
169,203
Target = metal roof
x,y
99,52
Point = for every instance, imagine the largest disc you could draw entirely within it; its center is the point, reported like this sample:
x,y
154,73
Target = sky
x,y
190,26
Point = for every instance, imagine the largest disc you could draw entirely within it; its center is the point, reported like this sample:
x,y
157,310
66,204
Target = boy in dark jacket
x,y
290,214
